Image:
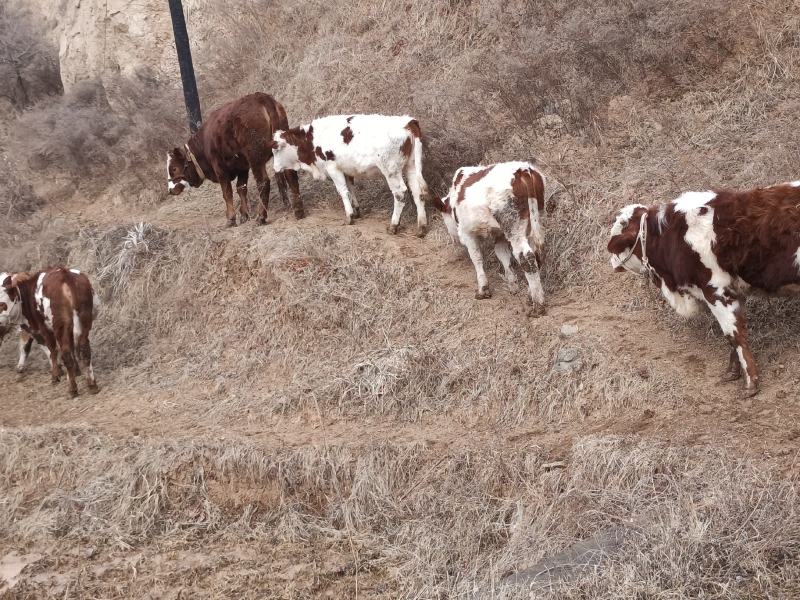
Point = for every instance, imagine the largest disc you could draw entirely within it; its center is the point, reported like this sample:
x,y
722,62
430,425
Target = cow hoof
x,y
73,393
93,389
262,221
243,219
55,380
483,294
392,229
349,220
357,212
749,392
20,370
422,230
729,376
232,222
536,311
299,213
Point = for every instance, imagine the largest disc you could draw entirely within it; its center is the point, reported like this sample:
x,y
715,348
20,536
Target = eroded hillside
x,y
307,409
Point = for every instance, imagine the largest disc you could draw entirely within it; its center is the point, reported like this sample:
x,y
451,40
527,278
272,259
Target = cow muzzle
x,y
175,189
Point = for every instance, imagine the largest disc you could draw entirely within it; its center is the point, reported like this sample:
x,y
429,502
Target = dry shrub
x,y
458,523
101,133
28,63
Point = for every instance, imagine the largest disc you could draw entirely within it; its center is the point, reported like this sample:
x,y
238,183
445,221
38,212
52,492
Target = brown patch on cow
x,y
326,155
527,183
3,306
405,148
347,135
471,179
304,142
459,177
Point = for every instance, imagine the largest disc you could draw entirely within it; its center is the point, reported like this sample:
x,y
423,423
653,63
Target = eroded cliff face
x,y
100,39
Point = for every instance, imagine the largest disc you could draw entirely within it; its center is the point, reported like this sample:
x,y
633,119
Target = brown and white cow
x,y
715,247
233,140
56,307
503,202
346,147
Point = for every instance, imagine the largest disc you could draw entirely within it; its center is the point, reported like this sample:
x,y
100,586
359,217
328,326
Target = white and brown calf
x,y
715,247
348,147
503,202
56,307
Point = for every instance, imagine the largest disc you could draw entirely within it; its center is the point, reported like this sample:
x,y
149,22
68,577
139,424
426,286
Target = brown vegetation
x,y
307,409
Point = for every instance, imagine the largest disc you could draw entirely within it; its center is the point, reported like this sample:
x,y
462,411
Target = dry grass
x,y
619,101
442,524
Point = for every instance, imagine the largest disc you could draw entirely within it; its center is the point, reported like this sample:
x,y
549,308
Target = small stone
x,y
567,360
568,330
648,414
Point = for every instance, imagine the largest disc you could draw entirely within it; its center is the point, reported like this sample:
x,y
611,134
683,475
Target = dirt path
x,y
133,402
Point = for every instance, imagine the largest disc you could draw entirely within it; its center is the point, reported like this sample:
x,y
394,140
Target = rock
x,y
568,360
568,330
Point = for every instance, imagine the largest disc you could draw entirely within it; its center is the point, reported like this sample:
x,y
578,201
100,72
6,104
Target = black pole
x,y
185,61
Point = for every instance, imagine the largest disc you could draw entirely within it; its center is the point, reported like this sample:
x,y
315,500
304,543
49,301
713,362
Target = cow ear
x,y
18,278
176,153
622,242
7,282
3,307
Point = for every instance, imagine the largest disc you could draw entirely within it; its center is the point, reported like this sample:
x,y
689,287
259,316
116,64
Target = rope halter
x,y
196,164
641,238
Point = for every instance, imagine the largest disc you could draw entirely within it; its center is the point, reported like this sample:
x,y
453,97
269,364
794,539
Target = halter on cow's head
x,y
183,170
628,243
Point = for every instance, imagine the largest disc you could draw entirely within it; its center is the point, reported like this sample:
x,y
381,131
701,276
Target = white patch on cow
x,y
76,325
12,315
624,217
169,179
75,271
43,302
683,303
797,258
794,183
373,151
700,234
689,201
173,185
747,379
483,199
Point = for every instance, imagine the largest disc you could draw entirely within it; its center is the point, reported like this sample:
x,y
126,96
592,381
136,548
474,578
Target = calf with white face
x,y
346,147
503,202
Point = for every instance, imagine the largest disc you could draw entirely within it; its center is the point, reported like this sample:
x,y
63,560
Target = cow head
x,y
624,245
448,216
10,307
181,172
293,150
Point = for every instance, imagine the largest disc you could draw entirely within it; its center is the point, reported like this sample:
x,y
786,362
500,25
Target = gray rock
x,y
568,360
568,330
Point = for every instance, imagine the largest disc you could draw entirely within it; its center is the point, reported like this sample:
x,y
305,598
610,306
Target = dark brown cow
x,y
56,307
233,140
715,247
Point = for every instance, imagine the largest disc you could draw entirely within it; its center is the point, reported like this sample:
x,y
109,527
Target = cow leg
x,y
280,181
474,249
734,370
25,343
227,195
503,252
515,229
85,360
52,350
262,181
294,189
241,189
416,193
398,187
340,181
729,312
353,198
67,347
